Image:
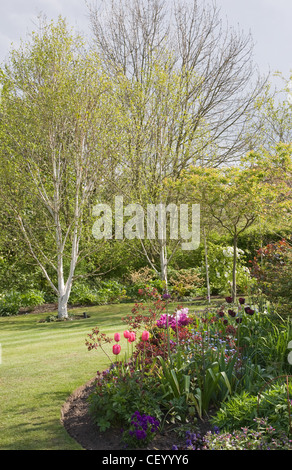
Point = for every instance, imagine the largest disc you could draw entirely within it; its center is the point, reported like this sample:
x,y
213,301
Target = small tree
x,y
236,198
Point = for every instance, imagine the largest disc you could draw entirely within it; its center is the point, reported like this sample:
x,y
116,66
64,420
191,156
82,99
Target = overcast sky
x,y
269,21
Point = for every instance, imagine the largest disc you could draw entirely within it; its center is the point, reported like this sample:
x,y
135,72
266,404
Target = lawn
x,y
42,364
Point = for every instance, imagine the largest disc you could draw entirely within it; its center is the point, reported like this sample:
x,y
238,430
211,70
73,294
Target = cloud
x,y
19,17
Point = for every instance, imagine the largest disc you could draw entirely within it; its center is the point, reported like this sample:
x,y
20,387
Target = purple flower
x,y
166,296
140,434
241,300
228,300
249,310
231,313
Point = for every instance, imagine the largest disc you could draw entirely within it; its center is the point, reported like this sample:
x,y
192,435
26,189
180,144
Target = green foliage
x,y
220,261
264,437
12,301
242,409
272,267
264,338
110,291
119,393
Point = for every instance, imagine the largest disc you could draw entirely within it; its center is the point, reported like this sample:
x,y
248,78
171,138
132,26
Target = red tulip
x,y
116,349
117,337
126,334
131,337
145,335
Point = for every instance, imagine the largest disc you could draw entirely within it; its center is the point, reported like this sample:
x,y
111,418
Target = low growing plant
x,y
117,396
242,409
142,430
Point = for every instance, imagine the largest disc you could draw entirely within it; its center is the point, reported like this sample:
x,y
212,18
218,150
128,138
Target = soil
x,y
77,422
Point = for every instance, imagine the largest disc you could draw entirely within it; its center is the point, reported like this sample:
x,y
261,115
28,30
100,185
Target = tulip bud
x,y
126,334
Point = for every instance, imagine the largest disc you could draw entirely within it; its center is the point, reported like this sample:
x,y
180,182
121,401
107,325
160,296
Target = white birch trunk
x,y
207,267
163,262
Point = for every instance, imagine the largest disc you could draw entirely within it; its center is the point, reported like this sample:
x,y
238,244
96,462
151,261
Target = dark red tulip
x,y
228,300
249,310
221,314
241,300
238,320
231,313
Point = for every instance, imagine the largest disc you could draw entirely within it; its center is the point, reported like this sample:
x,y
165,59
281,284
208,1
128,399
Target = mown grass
x,y
42,364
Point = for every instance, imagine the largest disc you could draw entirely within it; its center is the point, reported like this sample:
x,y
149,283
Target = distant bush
x,y
272,267
12,301
107,292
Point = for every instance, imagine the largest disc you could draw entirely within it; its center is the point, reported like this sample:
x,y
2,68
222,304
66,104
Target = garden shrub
x,y
12,301
106,292
138,280
185,282
82,294
32,298
272,268
119,394
220,260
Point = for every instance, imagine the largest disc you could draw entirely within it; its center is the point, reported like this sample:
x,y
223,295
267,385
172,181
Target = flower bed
x,y
173,366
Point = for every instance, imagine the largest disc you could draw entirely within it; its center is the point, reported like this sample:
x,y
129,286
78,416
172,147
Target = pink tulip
x,y
116,349
132,337
117,337
145,335
126,334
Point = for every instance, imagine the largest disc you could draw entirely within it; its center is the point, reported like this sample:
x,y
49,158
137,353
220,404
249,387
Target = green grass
x,y
42,364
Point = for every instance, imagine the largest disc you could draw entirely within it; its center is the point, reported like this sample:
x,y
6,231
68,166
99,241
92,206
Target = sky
x,y
268,21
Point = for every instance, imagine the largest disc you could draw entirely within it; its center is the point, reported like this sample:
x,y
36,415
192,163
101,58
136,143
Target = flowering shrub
x,y
220,260
142,430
